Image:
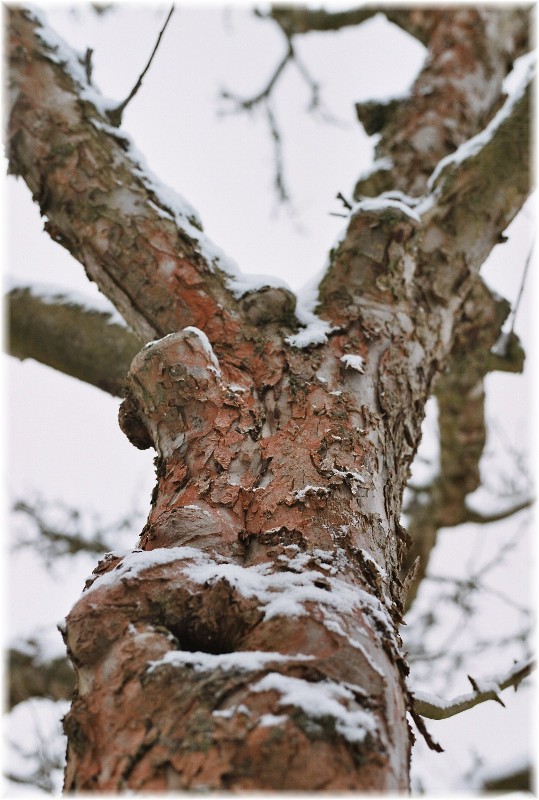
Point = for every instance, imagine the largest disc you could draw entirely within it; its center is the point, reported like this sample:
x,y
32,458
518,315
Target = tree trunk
x,y
264,596
252,641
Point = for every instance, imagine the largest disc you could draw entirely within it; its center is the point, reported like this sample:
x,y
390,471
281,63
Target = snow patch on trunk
x,y
323,699
250,660
206,345
315,329
354,362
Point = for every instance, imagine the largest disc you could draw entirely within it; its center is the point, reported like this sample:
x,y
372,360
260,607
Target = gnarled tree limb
x,y
299,19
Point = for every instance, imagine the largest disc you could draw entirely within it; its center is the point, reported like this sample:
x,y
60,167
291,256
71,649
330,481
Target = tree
x,y
283,436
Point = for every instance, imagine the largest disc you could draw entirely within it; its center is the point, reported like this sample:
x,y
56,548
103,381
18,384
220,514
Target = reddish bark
x,y
268,576
290,483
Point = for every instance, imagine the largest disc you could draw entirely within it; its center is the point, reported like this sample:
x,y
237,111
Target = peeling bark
x,y
251,642
287,487
470,51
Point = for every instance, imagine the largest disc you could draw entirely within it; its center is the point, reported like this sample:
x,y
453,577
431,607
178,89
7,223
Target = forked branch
x,y
435,708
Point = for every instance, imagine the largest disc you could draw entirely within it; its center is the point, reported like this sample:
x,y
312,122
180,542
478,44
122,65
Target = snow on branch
x,y
445,107
479,189
433,707
147,253
80,336
478,143
298,19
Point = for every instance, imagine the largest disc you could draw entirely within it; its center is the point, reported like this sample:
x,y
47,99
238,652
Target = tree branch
x,y
435,708
57,537
63,333
521,780
416,136
486,519
299,20
140,243
56,530
460,396
30,675
115,114
247,104
263,98
480,188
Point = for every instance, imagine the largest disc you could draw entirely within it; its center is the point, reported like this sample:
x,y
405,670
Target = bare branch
x,y
521,780
460,395
247,104
30,676
62,531
434,708
280,186
298,19
115,114
263,98
64,334
59,539
486,519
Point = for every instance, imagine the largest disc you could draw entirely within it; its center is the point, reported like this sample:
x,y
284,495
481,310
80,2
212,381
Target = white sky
x,y
63,435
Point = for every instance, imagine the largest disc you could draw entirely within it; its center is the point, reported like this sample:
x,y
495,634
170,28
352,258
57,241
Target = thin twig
x,y
346,203
88,66
263,98
280,186
487,519
115,115
311,83
247,104
523,281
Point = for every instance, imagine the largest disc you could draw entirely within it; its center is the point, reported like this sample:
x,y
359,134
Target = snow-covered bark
x,y
457,92
251,642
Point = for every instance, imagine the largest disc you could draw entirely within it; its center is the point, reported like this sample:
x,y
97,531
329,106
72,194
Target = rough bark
x,y
456,93
252,641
